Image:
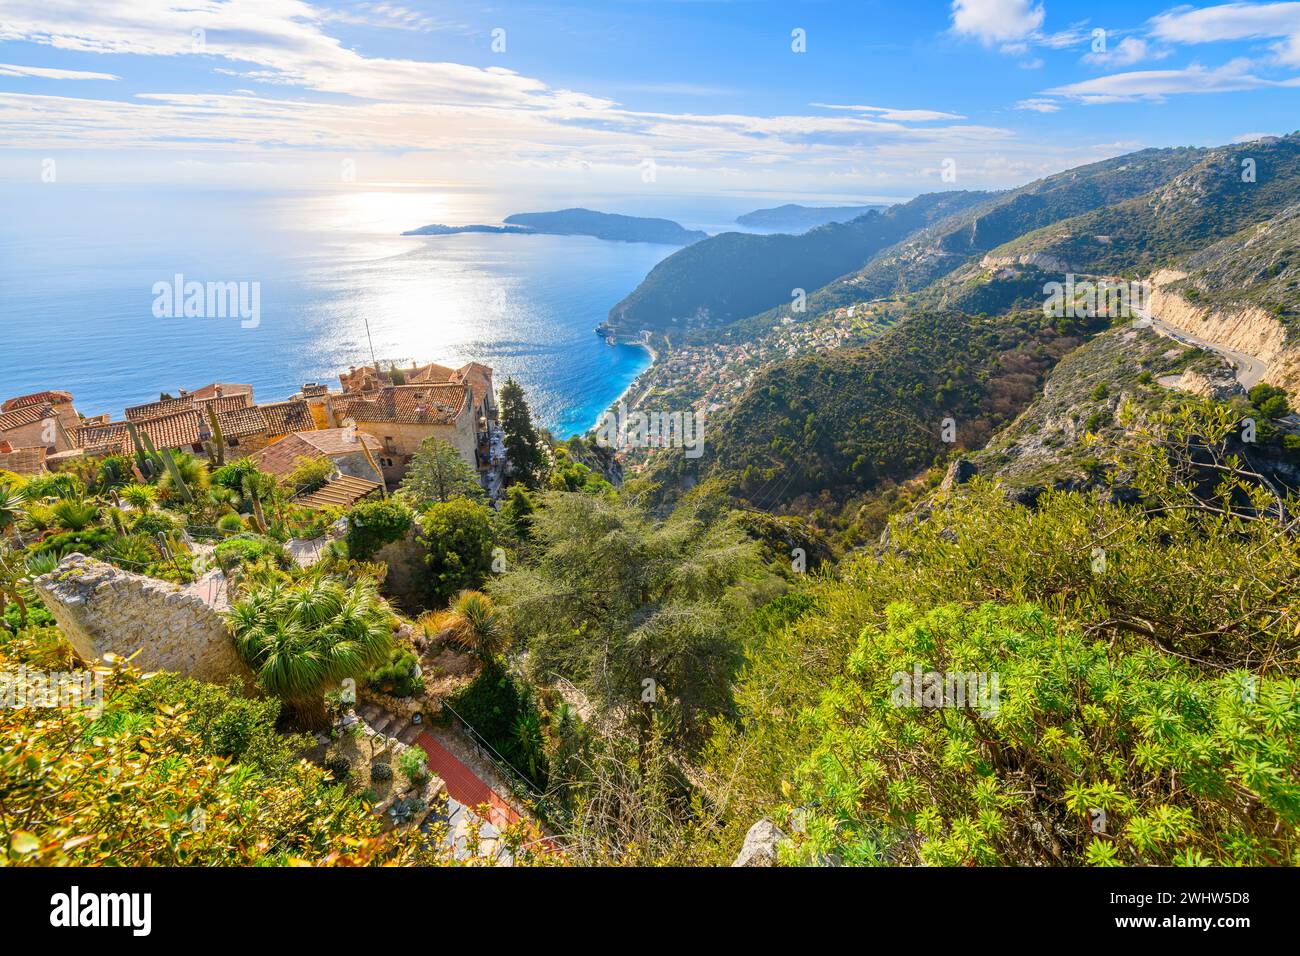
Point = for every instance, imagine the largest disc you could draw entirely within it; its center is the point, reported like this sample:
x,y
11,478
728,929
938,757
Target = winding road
x,y
1250,368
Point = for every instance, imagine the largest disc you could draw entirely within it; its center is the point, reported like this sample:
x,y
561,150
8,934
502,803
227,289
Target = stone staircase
x,y
382,722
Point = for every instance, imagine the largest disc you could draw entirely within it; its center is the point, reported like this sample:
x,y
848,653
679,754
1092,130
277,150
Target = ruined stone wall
x,y
102,609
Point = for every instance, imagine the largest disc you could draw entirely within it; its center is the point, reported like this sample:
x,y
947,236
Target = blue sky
x,y
621,97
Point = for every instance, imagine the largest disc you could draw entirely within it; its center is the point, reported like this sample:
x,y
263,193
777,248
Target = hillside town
x,y
369,427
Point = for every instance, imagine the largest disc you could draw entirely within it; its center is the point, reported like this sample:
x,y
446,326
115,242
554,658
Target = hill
x,y
734,275
792,217
604,225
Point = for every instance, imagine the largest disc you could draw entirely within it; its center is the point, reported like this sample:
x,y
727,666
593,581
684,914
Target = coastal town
x,y
368,428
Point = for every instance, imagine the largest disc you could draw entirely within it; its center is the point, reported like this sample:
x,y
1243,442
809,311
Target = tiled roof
x,y
227,389
285,418
36,398
408,405
282,457
23,461
431,374
25,415
166,406
241,422
180,430
111,438
228,403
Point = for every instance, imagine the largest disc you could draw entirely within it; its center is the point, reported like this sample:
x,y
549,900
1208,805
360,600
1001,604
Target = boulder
x,y
761,844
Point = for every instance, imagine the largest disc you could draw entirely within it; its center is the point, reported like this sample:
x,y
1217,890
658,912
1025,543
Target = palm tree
x,y
473,622
301,640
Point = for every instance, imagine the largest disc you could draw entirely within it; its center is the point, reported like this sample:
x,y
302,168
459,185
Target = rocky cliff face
x,y
104,610
1243,329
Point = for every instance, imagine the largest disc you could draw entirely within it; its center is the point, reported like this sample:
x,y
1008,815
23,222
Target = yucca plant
x,y
301,640
473,622
11,506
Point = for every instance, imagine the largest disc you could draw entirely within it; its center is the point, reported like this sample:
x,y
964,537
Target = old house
x,y
41,420
403,416
353,452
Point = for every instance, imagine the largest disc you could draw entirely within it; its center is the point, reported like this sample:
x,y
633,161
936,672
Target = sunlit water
x,y
78,265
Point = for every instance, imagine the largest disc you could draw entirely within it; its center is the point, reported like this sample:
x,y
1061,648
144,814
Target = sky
x,y
816,101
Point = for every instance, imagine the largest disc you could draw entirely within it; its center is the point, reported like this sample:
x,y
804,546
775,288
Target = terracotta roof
x,y
166,406
479,377
110,438
180,430
241,422
341,492
23,461
36,398
282,457
408,405
285,418
431,374
25,415
228,403
227,389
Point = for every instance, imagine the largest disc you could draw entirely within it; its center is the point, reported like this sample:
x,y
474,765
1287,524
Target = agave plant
x,y
301,640
11,506
138,496
75,514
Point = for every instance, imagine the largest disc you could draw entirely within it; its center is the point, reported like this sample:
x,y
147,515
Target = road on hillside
x,y
1250,368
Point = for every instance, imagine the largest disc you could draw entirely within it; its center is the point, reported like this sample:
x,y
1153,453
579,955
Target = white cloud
x,y
45,73
1235,21
1157,84
1128,51
1039,105
996,21
889,113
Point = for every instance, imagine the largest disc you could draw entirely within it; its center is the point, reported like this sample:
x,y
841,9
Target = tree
x,y
437,474
640,616
473,622
523,445
458,536
301,640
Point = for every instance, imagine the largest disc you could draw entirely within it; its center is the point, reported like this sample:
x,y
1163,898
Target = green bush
x,y
373,524
1189,769
379,772
502,711
248,548
230,524
458,535
401,676
414,765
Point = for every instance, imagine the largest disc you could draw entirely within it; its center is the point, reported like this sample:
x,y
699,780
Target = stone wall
x,y
102,609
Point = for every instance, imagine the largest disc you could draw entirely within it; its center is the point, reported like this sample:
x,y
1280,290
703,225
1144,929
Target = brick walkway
x,y
464,786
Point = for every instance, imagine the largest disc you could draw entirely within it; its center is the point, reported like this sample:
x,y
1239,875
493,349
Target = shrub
x,y
75,515
414,765
231,524
373,524
154,523
1189,769
249,548
309,474
381,772
502,710
339,768
458,535
401,676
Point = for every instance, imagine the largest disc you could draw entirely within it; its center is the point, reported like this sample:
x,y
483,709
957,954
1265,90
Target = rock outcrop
x,y
761,843
102,610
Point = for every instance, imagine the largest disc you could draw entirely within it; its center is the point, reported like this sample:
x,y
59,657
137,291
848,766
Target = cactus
x,y
218,442
146,459
183,488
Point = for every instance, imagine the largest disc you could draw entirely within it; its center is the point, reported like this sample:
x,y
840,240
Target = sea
x,y
87,273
